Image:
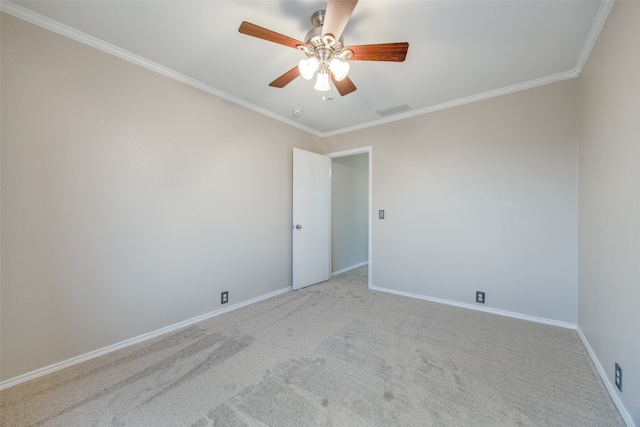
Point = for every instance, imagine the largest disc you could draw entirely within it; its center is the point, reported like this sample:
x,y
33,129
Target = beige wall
x,y
609,240
129,200
480,197
349,211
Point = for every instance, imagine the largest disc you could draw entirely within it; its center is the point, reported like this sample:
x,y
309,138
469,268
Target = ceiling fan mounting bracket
x,y
317,19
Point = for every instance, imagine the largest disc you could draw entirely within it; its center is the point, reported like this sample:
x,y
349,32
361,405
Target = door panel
x,y
311,218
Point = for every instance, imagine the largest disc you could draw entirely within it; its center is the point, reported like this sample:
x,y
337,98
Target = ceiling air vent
x,y
394,110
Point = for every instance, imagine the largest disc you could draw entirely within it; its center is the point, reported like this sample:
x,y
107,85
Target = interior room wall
x,y
349,211
609,212
480,197
129,201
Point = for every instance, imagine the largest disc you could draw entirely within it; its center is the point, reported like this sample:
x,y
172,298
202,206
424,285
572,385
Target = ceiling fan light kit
x,y
339,69
308,67
322,82
323,55
326,55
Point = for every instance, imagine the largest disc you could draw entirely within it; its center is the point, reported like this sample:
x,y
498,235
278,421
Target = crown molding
x,y
461,101
594,33
56,27
34,18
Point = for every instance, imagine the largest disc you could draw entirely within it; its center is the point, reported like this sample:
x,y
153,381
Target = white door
x,y
311,218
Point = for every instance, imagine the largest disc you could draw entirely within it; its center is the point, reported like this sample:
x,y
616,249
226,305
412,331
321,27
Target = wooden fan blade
x,y
268,35
344,86
286,78
394,52
336,17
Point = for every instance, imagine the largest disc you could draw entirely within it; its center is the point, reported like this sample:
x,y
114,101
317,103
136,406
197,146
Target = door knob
x,y
298,227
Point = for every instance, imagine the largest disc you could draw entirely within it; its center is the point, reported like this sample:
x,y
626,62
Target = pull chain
x,y
324,96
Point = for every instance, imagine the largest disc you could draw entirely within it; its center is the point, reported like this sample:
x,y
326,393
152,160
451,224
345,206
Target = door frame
x,y
352,152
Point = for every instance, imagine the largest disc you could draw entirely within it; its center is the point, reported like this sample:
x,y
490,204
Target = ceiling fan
x,y
323,46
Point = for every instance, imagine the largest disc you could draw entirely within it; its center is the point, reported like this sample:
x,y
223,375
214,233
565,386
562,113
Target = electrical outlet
x,y
618,377
480,297
224,297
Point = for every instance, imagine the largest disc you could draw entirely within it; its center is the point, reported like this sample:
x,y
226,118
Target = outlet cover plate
x,y
618,377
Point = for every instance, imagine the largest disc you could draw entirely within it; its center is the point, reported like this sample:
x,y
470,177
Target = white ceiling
x,y
459,51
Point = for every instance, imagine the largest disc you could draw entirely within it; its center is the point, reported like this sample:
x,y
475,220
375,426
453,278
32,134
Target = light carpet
x,y
333,354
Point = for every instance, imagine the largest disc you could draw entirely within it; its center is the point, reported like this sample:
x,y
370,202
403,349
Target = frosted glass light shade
x,y
322,82
307,67
339,69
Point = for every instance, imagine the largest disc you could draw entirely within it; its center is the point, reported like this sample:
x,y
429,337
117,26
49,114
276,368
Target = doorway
x,y
351,210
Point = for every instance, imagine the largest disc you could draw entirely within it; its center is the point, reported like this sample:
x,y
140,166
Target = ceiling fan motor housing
x,y
326,47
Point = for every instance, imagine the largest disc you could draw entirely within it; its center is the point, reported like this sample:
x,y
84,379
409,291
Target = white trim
x,y
351,267
536,319
81,37
100,352
610,387
362,150
351,152
457,102
594,33
94,42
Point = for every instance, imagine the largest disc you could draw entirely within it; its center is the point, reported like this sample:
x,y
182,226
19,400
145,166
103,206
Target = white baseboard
x,y
610,387
474,307
100,352
349,268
